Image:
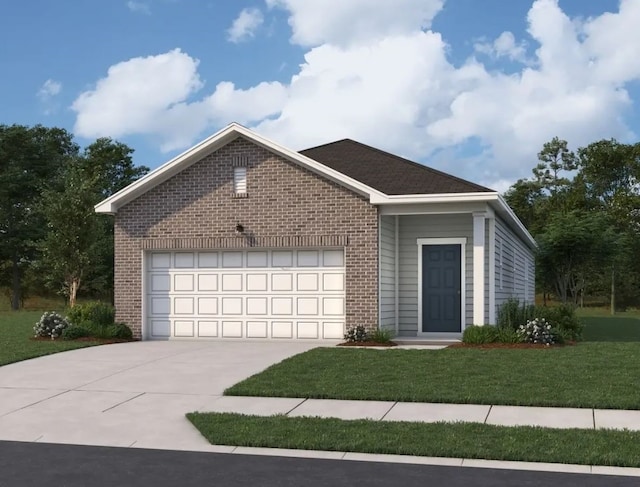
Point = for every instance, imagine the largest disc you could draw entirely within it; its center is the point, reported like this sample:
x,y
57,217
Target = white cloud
x,y
343,23
391,84
245,25
151,96
504,46
49,89
139,7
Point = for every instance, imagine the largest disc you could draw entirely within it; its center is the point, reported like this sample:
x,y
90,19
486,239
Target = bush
x,y
537,330
564,319
512,314
92,314
74,332
381,336
356,334
51,325
507,335
120,331
479,335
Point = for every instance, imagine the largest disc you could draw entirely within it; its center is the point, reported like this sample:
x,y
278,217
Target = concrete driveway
x,y
132,394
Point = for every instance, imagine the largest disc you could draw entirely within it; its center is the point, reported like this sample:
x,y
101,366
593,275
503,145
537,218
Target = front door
x,y
441,289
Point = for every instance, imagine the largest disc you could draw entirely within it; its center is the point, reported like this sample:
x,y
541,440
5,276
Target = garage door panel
x,y
207,260
281,329
231,282
184,260
282,282
257,282
307,258
160,282
183,282
281,306
307,329
307,306
160,306
232,259
207,282
160,328
183,306
184,328
257,329
307,282
207,329
232,329
332,329
257,259
161,261
208,306
232,306
257,306
282,258
285,294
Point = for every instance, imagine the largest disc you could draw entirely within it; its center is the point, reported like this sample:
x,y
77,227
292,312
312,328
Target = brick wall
x,y
285,203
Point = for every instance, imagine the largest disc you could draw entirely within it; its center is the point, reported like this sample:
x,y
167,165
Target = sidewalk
x,y
546,417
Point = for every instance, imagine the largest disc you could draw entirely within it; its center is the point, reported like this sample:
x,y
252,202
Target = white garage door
x,y
245,294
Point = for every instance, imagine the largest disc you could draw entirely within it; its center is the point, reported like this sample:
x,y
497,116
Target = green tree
x,y
78,247
31,158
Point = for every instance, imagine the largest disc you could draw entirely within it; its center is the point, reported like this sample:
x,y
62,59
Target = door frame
x,y
462,242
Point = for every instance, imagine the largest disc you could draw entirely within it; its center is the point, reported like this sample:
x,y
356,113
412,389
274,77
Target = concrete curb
x,y
433,461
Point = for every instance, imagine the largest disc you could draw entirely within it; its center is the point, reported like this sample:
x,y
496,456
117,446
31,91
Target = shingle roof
x,y
386,172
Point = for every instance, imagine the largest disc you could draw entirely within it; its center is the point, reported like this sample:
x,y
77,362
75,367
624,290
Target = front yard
x,y
599,375
16,330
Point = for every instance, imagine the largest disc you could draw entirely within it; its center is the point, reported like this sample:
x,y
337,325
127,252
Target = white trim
x,y
143,290
234,130
492,271
478,268
462,241
396,268
211,144
379,272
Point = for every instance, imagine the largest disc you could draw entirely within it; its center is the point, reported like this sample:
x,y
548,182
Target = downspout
x,y
396,268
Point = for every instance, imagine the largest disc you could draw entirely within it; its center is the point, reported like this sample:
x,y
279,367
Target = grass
x,y
16,330
600,375
458,440
611,328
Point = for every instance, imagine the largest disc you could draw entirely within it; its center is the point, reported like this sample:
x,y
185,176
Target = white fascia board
x,y
519,226
433,198
209,145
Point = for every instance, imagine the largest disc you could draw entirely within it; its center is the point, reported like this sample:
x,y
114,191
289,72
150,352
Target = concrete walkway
x,y
433,412
137,395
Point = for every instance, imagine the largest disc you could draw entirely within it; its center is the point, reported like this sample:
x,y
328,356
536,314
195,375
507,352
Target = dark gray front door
x,y
441,288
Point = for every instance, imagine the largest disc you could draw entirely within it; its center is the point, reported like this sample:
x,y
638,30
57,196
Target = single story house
x,y
242,238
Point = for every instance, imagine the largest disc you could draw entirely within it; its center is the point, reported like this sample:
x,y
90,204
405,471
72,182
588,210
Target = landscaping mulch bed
x,y
103,341
367,344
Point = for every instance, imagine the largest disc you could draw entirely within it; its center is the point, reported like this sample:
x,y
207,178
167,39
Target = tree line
x,y
583,208
50,237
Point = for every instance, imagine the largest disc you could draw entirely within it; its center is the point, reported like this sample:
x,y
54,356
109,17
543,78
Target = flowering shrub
x,y
356,334
50,325
537,330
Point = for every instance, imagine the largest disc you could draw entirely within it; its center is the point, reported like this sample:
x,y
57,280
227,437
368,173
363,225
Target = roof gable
x,y
388,173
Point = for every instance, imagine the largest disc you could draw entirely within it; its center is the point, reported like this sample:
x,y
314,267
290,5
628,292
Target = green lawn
x,y
459,440
611,328
601,375
16,330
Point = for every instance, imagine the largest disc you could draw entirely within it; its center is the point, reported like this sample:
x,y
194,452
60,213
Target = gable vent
x,y
240,180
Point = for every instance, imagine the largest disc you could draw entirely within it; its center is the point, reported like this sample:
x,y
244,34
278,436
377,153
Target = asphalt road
x,y
37,464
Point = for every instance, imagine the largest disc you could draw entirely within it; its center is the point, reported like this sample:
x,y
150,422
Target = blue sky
x,y
470,87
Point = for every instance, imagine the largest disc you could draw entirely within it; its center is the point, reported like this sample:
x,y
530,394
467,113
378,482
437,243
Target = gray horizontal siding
x,y
387,273
515,267
413,227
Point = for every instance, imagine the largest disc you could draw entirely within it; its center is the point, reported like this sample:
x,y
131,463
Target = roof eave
x,y
211,144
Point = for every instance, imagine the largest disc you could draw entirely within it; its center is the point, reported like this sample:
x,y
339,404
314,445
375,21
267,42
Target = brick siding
x,y
285,203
